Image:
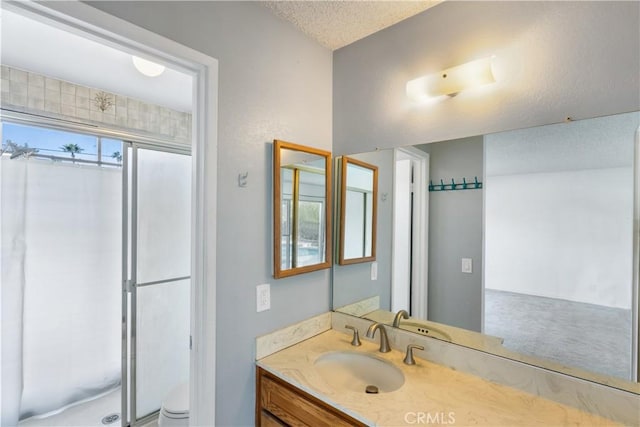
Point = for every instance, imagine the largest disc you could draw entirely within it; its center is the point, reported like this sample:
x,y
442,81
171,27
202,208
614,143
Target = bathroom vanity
x,y
292,389
280,403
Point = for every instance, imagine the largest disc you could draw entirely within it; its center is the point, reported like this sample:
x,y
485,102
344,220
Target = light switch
x,y
263,297
467,265
374,270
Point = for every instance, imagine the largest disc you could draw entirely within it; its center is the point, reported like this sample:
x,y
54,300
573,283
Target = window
x,y
55,145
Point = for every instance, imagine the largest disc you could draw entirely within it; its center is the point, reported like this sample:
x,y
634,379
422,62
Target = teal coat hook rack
x,y
464,185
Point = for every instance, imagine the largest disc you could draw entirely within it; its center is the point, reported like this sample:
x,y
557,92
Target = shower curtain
x,y
61,284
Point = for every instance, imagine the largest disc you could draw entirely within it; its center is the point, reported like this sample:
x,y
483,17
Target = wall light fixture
x,y
148,68
452,80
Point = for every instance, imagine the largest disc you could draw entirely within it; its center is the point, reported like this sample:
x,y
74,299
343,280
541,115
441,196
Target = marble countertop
x,y
493,345
431,392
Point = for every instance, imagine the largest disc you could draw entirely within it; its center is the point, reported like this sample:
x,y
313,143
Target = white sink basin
x,y
346,370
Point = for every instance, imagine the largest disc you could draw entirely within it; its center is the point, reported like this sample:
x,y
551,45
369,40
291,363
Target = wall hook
x,y
464,185
242,179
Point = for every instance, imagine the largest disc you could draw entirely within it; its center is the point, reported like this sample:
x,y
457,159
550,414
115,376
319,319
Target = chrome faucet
x,y
384,340
400,314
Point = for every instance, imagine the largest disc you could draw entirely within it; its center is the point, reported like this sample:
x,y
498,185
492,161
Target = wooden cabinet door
x,y
293,406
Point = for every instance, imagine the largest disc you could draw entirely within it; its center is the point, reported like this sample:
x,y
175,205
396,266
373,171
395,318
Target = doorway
x,y
83,19
410,232
62,248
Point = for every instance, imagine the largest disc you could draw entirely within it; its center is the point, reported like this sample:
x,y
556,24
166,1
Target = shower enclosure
x,y
95,270
156,269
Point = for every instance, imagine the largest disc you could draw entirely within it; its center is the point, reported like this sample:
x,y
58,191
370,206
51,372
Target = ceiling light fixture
x,y
452,80
148,68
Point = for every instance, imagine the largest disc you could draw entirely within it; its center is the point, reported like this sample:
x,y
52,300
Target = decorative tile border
x,y
286,337
361,308
37,94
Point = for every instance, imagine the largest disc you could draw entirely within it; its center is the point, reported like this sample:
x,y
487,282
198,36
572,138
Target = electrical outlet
x,y
263,297
467,265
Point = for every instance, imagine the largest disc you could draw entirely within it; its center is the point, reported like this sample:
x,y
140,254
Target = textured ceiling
x,y
335,24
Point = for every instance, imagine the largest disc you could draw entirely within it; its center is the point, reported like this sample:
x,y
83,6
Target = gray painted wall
x,y
353,282
455,232
554,59
274,83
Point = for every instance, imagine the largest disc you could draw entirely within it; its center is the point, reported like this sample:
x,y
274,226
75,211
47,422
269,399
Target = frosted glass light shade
x,y
452,80
148,68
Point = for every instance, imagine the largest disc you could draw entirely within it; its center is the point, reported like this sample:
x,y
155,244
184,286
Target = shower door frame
x,y
129,274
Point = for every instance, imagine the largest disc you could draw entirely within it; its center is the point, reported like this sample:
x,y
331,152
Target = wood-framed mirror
x,y
301,209
358,211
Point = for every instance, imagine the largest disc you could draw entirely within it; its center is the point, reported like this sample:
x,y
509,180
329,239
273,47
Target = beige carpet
x,y
588,336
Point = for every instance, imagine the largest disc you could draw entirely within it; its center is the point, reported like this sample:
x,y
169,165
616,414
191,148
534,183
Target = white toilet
x,y
175,407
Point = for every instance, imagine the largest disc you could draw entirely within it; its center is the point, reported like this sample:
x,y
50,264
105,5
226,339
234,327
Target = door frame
x,y
635,293
97,25
420,229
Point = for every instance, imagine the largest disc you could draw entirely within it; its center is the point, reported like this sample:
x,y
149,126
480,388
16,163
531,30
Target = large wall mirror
x,y
301,209
532,251
358,210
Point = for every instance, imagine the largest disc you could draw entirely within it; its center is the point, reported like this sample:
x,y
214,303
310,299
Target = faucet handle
x,y
408,358
356,335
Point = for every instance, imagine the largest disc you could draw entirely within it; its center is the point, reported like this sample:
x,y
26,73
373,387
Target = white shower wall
x,y
68,248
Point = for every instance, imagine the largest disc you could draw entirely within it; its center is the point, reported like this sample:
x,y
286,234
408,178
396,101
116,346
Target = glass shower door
x,y
159,268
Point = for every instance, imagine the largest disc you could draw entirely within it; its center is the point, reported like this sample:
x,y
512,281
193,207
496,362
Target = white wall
x,y
561,235
274,82
555,59
559,210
